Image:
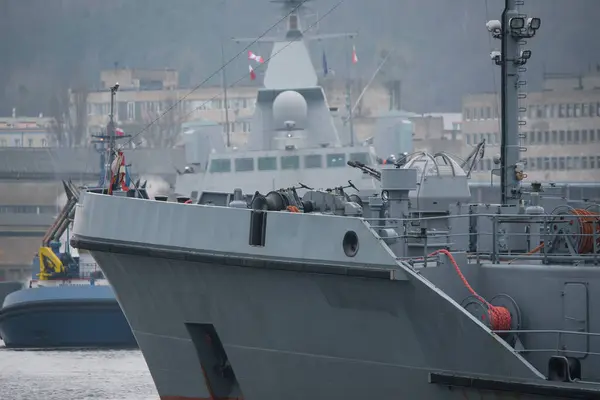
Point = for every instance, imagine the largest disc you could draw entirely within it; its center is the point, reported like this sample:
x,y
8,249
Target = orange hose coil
x,y
587,220
500,318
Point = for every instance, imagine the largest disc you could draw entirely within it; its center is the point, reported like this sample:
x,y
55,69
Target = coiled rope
x,y
499,317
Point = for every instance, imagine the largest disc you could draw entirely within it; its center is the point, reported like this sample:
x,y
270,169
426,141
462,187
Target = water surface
x,y
74,375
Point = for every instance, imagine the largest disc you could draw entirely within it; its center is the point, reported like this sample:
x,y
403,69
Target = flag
x,y
325,69
252,56
118,172
252,73
354,56
119,132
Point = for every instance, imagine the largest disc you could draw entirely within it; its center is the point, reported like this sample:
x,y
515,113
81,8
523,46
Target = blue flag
x,y
325,69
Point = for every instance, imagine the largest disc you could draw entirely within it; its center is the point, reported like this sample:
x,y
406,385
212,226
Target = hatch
x,y
575,319
218,372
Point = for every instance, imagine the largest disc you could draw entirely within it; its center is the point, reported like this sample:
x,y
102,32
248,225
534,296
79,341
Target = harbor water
x,y
74,375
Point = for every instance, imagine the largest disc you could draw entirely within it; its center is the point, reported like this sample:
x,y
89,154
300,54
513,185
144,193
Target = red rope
x,y
499,317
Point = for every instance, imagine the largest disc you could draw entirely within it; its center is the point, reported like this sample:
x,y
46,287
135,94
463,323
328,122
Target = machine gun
x,y
365,169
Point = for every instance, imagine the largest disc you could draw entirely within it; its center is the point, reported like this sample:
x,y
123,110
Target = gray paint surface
x,y
301,334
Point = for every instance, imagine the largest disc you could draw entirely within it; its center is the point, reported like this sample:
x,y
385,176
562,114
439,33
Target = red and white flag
x,y
252,56
252,73
354,56
119,132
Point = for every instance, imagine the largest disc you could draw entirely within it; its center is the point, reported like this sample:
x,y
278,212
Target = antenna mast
x,y
108,140
512,31
224,82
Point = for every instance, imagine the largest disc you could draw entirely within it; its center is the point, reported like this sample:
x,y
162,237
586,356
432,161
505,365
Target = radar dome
x,y
289,110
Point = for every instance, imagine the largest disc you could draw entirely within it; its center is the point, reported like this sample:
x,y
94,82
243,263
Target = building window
x,y
592,162
2,142
467,113
569,110
313,161
244,164
593,110
540,111
554,161
468,138
18,142
554,137
546,137
584,162
552,111
30,142
584,136
561,111
488,113
546,163
576,137
290,162
561,138
267,163
130,110
44,143
585,110
576,163
577,110
569,137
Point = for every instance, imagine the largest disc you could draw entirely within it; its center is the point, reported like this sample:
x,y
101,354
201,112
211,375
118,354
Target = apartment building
x,y
559,131
144,95
26,131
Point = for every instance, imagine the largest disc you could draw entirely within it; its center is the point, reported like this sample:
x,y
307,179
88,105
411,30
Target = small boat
x,y
69,303
75,308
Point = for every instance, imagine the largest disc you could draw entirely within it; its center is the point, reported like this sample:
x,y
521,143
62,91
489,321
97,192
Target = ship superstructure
x,y
293,136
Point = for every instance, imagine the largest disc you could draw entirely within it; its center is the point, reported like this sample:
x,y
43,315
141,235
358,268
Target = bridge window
x,y
336,160
220,165
267,163
290,162
244,164
361,157
313,161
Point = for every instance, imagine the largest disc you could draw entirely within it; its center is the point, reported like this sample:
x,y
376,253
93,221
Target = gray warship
x,y
294,132
405,292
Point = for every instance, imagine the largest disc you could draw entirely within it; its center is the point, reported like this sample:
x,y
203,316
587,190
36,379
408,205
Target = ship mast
x,y
108,140
224,79
512,31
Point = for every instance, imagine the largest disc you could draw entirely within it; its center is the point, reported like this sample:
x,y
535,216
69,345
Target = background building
x,y
560,129
26,132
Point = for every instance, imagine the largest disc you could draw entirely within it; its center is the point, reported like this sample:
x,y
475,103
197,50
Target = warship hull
x,y
297,335
64,317
218,318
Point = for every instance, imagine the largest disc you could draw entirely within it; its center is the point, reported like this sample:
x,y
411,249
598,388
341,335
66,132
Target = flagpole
x,y
224,83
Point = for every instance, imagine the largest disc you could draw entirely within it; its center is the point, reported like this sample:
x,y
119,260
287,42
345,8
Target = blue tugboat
x,y
69,303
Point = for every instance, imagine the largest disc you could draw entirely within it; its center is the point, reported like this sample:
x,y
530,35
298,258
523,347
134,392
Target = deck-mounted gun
x,y
365,169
